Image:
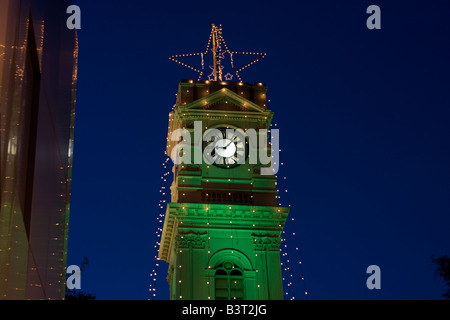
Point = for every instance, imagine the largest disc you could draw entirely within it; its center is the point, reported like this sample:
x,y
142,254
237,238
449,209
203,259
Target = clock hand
x,y
231,141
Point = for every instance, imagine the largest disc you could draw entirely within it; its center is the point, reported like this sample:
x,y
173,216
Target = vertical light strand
x,y
164,199
294,283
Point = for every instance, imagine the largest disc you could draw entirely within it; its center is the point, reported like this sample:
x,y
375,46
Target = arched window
x,y
229,282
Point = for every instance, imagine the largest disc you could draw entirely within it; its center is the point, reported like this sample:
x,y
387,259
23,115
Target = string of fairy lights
x,y
164,199
218,50
291,264
292,268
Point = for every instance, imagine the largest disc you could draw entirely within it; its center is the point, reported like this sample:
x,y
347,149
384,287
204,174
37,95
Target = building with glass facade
x,y
38,73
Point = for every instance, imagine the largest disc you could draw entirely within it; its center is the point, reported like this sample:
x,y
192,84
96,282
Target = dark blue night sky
x,y
364,132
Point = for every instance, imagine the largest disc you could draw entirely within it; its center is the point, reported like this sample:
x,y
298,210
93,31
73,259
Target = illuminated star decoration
x,y
217,46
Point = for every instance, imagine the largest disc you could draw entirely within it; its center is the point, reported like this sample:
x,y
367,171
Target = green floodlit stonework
x,y
221,234
206,236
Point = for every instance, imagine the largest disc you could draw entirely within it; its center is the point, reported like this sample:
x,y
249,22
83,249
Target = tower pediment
x,y
225,99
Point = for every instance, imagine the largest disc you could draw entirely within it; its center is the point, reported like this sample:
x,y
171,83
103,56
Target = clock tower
x,y
221,233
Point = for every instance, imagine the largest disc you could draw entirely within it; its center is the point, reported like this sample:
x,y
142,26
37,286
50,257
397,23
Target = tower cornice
x,y
265,219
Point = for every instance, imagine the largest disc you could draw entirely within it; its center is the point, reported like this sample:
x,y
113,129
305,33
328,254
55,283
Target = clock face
x,y
226,148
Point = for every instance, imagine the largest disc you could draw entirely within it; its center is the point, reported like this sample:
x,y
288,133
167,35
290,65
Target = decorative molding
x,y
227,211
233,254
195,215
266,242
221,95
190,239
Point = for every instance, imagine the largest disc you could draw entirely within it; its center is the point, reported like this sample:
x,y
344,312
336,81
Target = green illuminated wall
x,y
221,233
